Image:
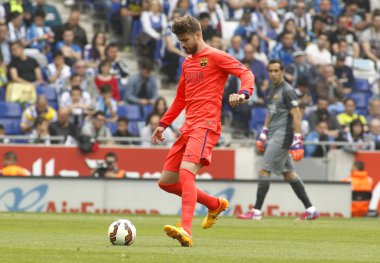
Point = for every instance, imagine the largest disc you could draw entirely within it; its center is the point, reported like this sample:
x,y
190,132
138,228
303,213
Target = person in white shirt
x,y
147,131
78,102
318,54
58,71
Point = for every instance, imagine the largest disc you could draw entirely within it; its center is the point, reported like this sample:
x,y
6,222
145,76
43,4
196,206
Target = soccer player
x,y
200,90
283,127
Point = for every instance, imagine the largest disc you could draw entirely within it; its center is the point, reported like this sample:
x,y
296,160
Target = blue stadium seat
x,y
54,104
10,110
49,92
112,126
147,109
361,99
362,85
12,127
132,112
133,127
258,117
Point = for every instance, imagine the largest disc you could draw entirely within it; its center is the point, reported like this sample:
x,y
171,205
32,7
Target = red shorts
x,y
192,146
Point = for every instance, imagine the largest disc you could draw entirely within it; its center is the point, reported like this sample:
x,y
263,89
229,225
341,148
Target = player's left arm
x,y
230,65
292,103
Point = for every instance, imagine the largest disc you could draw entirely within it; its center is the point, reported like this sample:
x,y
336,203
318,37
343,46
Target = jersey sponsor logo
x,y
204,62
195,77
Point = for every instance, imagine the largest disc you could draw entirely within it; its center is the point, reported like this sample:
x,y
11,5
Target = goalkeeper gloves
x,y
261,140
296,149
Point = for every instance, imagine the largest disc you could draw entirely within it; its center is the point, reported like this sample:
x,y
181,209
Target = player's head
x,y
9,158
276,71
189,34
357,166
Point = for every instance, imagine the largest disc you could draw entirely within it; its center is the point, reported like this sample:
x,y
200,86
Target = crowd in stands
x,y
63,84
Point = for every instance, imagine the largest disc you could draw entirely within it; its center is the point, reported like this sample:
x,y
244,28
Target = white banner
x,y
66,195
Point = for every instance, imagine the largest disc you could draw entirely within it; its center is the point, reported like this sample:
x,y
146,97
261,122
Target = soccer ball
x,y
122,232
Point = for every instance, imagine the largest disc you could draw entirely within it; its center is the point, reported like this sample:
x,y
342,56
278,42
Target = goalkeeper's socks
x,y
299,189
262,191
211,202
189,198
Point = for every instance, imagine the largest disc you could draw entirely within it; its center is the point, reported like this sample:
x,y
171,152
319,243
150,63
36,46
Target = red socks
x,y
189,198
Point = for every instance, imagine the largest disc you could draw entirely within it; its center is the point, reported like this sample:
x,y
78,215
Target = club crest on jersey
x,y
204,62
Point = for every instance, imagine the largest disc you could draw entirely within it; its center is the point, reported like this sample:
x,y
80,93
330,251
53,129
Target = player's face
x,y
276,74
189,42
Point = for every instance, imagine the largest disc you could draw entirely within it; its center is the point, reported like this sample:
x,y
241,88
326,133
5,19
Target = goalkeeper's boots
x,y
211,217
309,215
253,214
177,232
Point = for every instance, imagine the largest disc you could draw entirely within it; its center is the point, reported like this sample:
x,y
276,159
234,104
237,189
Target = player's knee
x,y
289,176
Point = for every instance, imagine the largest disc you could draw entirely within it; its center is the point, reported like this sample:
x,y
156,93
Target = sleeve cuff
x,y
163,125
245,92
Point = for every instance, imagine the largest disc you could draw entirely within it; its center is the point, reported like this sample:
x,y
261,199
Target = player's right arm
x,y
175,109
263,136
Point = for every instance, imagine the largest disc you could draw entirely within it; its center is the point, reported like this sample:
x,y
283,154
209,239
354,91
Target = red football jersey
x,y
201,88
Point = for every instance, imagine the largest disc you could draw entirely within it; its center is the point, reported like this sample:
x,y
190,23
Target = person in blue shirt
x,y
38,35
142,88
284,50
53,18
320,134
71,51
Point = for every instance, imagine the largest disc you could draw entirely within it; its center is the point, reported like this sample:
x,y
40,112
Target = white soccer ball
x,y
122,233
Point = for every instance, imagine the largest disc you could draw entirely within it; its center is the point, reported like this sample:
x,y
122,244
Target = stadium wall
x,y
136,196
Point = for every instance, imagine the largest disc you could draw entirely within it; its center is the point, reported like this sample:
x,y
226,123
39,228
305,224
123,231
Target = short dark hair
x,y
123,119
75,88
146,63
186,25
276,61
17,43
109,46
97,113
40,13
360,165
347,100
204,15
10,156
111,154
105,89
74,75
58,53
15,14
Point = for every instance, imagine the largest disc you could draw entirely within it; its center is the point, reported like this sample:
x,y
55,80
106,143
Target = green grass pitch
x,y
29,237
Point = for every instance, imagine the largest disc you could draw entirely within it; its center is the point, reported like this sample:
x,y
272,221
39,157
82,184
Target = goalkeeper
x,y
280,141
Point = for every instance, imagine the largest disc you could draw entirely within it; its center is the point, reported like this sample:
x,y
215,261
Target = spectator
x,y
299,70
374,133
246,28
236,8
356,137
254,40
39,36
40,109
260,71
16,29
303,91
160,106
142,88
355,20
318,54
153,23
349,114
118,67
105,103
71,51
284,50
2,133
342,32
328,87
110,168
130,13
371,39
40,133
79,104
343,48
301,17
53,19
344,74
207,30
23,69
95,51
105,78
374,109
216,42
122,131
96,128
63,127
173,54
217,19
58,71
322,114
361,184
87,82
80,37
265,21
325,14
147,131
320,134
235,48
318,27
290,27
10,167
4,44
